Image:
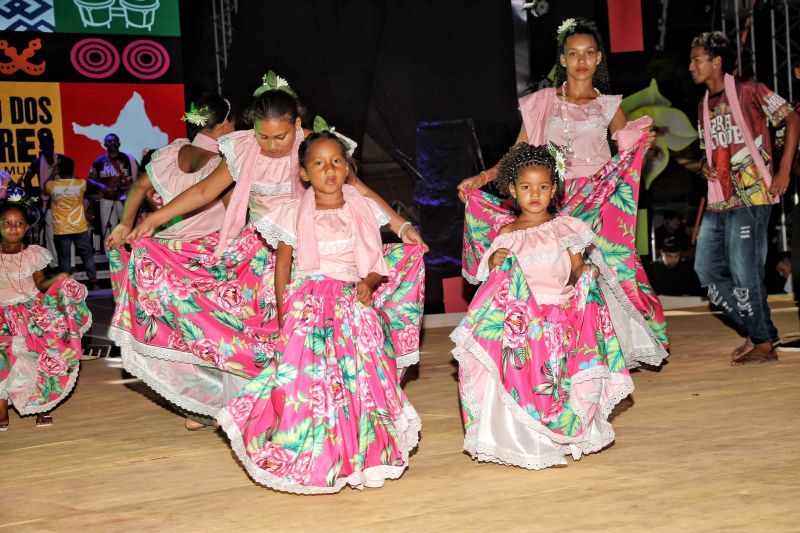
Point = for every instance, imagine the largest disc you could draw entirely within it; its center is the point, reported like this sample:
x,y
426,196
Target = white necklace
x,y
569,150
20,289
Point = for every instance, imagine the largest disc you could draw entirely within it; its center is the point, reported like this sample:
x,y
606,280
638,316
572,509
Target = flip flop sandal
x,y
754,358
741,350
3,427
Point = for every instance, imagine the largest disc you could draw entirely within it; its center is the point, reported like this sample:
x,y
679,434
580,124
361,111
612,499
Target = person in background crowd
x,y
671,274
111,175
69,223
732,240
49,165
672,226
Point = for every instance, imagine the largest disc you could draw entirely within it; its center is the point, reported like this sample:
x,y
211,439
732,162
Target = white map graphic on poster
x,y
133,127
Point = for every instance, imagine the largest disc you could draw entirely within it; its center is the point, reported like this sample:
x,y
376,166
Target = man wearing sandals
x,y
732,241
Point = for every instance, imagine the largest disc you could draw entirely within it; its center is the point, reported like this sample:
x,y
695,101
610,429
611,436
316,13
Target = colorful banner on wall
x,y
85,68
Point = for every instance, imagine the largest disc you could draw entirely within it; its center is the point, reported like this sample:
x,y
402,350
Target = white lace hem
x,y
263,189
466,346
407,426
130,363
21,350
126,341
273,233
229,153
470,278
651,354
20,299
406,360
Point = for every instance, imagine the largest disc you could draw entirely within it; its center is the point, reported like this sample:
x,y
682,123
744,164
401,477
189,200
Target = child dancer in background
x,y
328,410
540,366
41,323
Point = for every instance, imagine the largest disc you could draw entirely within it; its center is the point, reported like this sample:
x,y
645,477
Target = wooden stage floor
x,y
702,446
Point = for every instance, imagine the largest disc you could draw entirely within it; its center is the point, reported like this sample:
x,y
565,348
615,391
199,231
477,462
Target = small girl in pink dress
x,y
540,366
41,324
328,410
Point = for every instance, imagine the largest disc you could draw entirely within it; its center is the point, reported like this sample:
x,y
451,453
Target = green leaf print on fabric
x,y
115,264
228,320
568,422
624,199
286,374
614,254
190,332
491,328
333,473
402,291
478,229
614,356
187,306
259,263
299,439
320,436
348,368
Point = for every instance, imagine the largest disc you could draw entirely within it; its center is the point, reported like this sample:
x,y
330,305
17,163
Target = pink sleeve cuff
x,y
631,133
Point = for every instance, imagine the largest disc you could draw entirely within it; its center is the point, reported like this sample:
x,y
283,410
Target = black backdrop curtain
x,y
382,66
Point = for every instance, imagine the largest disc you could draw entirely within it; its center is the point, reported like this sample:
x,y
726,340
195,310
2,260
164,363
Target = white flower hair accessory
x,y
566,28
272,82
561,162
197,117
321,125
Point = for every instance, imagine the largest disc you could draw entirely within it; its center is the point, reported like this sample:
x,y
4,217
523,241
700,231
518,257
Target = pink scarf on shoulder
x,y
715,194
236,213
367,250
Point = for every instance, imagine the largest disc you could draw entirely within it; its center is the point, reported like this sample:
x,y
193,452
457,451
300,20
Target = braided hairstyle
x,y
522,156
716,44
600,79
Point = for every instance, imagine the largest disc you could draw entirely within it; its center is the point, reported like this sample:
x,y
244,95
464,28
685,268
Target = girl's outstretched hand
x,y
117,237
497,258
412,236
144,229
468,185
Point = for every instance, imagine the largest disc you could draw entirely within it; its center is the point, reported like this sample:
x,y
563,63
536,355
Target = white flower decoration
x,y
280,82
14,197
561,166
567,25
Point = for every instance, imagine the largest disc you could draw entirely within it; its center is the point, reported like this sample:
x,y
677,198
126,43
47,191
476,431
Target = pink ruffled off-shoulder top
x,y
169,181
335,236
16,273
541,252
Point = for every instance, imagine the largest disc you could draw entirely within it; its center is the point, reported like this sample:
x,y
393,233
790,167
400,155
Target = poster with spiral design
x,y
110,65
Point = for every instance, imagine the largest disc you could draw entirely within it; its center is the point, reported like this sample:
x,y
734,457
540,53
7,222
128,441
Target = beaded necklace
x,y
19,289
568,126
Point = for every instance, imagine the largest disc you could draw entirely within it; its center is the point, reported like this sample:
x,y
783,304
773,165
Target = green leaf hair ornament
x,y
197,117
273,82
566,29
320,125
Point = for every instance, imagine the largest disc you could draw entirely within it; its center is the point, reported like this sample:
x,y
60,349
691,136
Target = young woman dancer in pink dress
x,y
200,325
600,190
41,323
540,365
328,410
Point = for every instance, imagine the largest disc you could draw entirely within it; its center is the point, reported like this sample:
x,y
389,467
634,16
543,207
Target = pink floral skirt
x,y
185,317
40,346
537,382
608,202
328,410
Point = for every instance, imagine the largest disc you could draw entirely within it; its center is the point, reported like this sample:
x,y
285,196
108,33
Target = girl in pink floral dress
x,y
41,324
200,317
540,366
601,190
327,411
